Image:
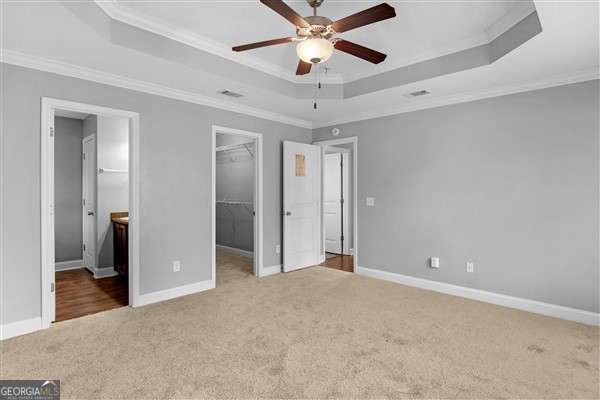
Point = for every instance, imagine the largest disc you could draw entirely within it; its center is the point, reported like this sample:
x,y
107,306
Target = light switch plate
x,y
470,266
370,201
434,262
277,249
176,266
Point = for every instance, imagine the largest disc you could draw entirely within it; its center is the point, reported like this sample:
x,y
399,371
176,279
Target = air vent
x,y
230,94
417,93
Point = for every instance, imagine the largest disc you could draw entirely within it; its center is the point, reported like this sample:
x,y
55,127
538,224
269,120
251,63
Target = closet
x,y
235,193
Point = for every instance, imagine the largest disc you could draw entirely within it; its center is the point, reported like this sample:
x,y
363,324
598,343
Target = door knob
x,y
90,213
288,213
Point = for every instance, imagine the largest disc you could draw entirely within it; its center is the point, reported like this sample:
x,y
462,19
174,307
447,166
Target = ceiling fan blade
x,y
303,68
365,17
256,45
286,12
360,51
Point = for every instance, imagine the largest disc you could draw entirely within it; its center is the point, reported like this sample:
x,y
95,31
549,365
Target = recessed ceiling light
x,y
230,93
417,93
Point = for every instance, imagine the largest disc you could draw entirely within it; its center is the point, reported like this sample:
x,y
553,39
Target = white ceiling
x,y
421,29
59,34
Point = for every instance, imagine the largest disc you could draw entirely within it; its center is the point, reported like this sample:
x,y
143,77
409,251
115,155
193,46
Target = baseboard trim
x,y
236,250
168,294
106,272
18,328
68,265
537,307
270,270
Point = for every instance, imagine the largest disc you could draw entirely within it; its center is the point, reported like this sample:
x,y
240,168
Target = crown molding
x,y
122,14
516,15
558,80
139,20
75,71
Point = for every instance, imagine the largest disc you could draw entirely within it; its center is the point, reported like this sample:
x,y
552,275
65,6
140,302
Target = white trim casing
x,y
68,265
334,142
258,197
18,328
106,78
171,293
537,307
47,187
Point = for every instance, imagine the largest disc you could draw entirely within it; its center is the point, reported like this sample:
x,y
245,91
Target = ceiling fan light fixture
x,y
314,50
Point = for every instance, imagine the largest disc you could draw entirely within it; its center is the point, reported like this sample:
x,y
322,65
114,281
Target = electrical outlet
x,y
470,266
277,249
434,262
176,266
370,201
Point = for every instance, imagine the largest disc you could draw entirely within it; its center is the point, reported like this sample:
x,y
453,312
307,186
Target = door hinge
x,y
84,247
342,237
84,156
341,201
51,131
52,287
83,201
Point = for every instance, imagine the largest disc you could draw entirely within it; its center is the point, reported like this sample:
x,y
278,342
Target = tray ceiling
x,y
421,30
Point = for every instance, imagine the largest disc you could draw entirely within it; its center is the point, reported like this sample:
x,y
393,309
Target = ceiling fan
x,y
315,34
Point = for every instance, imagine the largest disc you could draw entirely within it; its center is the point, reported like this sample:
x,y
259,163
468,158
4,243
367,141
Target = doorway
x,y
336,201
340,211
89,191
237,205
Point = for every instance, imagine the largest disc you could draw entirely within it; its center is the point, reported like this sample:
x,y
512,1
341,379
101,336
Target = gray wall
x,y
112,192
90,125
175,174
510,183
67,189
235,181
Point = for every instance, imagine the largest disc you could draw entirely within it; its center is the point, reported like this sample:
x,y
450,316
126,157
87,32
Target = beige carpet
x,y
314,333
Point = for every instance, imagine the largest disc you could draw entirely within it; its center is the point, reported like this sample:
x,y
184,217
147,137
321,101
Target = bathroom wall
x,y
113,187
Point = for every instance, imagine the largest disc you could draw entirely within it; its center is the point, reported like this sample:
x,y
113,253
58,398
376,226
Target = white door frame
x,y
49,105
258,197
344,153
334,142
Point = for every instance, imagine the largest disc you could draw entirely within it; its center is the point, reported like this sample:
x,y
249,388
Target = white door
x,y
89,201
301,205
332,202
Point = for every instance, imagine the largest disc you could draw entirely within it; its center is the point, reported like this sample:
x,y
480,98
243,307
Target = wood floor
x,y
79,294
341,262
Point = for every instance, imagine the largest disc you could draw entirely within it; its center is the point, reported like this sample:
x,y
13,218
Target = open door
x,y
301,205
333,202
89,202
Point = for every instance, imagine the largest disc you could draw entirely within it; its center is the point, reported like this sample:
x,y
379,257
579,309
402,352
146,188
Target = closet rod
x,y
235,147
